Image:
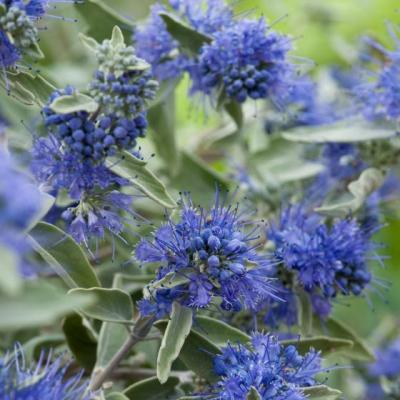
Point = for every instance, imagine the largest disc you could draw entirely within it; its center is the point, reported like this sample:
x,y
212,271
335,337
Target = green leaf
x,y
189,39
28,88
326,345
197,353
112,305
10,278
112,335
305,313
234,109
64,255
116,396
117,37
39,304
198,178
369,181
360,351
151,389
253,394
101,20
162,123
73,103
46,202
79,341
90,43
218,332
321,392
173,339
339,133
134,170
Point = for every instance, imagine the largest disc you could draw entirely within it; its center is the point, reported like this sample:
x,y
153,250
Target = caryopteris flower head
x,y
45,380
210,253
245,60
122,84
93,139
275,372
327,260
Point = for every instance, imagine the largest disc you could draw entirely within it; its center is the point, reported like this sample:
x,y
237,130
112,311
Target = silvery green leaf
x,y
73,103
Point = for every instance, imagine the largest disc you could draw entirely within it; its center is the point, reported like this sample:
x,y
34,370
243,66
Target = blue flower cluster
x,y
384,104
45,380
19,202
326,260
245,60
122,85
387,361
275,372
209,254
93,139
72,157
18,30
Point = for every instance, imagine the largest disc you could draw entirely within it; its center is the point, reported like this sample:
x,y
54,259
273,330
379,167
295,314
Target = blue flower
x,y
327,260
244,60
19,33
211,254
45,380
91,139
155,45
387,361
379,93
122,84
274,371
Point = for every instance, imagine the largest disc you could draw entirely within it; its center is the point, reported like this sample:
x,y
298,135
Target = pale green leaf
x,y
64,255
73,103
321,392
117,37
173,339
10,277
112,305
90,43
46,202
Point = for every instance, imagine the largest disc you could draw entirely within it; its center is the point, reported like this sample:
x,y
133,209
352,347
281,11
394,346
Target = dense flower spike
x,y
19,33
45,380
122,85
247,60
384,104
93,139
210,254
327,261
275,372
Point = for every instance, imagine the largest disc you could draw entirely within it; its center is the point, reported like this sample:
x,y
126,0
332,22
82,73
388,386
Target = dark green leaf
x,y
326,345
360,351
38,304
101,19
234,109
116,396
219,332
321,392
178,329
190,40
253,394
35,346
73,103
305,313
79,341
135,170
197,353
64,255
151,389
112,305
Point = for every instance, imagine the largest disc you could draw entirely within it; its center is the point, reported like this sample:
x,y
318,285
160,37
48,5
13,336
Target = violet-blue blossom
x,y
245,60
274,371
327,260
42,380
212,254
